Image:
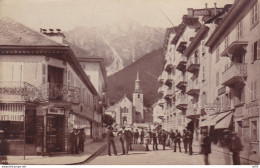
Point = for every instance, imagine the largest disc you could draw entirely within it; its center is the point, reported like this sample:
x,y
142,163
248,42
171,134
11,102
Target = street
x,y
161,157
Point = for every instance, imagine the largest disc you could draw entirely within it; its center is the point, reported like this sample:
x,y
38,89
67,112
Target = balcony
x,y
193,88
181,102
236,74
169,80
181,47
161,102
181,63
168,66
161,79
181,82
192,112
57,92
18,92
193,64
160,90
235,47
168,94
208,109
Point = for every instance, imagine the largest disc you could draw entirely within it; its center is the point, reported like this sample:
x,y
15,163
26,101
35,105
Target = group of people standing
x,y
77,139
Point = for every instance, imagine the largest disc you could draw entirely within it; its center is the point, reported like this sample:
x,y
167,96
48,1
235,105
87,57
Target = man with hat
x,y
123,139
164,137
110,140
235,148
73,141
205,147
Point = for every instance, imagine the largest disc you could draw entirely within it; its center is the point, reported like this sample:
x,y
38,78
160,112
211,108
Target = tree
x,y
107,119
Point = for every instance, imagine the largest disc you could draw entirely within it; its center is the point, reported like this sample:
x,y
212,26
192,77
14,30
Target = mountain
x,y
119,44
149,67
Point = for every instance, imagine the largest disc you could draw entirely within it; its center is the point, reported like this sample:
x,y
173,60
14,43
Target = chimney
x,y
215,4
206,9
55,35
190,12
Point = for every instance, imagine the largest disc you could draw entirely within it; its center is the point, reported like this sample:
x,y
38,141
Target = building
x,y
234,49
127,112
44,92
96,72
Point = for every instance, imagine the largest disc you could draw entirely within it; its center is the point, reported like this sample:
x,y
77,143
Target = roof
x,y
14,33
111,108
124,97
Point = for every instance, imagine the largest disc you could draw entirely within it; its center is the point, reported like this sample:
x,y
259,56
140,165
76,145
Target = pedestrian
x,y
205,147
123,139
155,144
110,140
172,137
150,136
164,137
185,140
177,140
142,136
235,148
190,140
146,138
130,137
136,136
226,143
82,138
73,141
160,137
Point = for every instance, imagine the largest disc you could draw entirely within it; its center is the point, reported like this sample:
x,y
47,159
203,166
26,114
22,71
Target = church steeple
x,y
138,84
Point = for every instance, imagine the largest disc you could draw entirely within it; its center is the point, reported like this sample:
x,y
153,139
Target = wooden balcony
x,y
18,92
58,92
193,64
236,74
181,63
193,88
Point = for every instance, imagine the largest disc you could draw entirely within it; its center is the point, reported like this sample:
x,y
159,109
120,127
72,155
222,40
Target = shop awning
x,y
224,123
213,120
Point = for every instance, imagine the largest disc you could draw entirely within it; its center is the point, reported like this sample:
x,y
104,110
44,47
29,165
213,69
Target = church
x,y
127,112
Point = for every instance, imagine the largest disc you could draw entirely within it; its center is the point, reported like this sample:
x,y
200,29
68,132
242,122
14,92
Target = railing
x,y
168,93
181,99
192,61
235,70
18,91
60,92
193,85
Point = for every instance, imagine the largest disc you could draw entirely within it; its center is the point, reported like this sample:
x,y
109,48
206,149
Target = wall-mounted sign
x,y
57,111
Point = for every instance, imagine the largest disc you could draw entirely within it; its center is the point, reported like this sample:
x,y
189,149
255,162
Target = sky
x,y
68,14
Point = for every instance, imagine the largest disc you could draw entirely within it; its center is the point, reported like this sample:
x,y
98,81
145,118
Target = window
x,y
239,128
138,95
203,74
217,78
203,47
239,30
226,42
217,54
255,14
254,131
253,90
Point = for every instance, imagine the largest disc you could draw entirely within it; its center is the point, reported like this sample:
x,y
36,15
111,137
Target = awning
x,y
224,123
213,120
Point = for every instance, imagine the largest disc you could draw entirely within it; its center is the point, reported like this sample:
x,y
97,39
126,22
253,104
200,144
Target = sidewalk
x,y
63,159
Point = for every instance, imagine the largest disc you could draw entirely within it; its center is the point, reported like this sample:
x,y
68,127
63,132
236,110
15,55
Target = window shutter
x,y
44,73
252,53
258,49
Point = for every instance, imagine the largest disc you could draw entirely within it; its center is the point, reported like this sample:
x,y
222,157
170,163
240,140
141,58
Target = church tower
x,y
138,99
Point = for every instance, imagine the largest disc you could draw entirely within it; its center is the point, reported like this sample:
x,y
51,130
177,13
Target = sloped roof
x,y
111,108
14,33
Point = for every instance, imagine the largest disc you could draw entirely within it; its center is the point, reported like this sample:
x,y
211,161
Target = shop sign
x,y
239,112
222,90
252,109
57,111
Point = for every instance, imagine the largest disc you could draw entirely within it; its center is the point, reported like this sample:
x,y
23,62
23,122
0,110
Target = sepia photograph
x,y
129,82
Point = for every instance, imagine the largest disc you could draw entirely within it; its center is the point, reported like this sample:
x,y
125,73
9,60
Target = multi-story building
x,y
44,92
234,48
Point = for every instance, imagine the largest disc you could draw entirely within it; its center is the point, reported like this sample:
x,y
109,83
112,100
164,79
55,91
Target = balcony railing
x,y
193,64
18,92
57,92
192,111
193,87
181,63
234,74
169,79
181,81
168,93
181,102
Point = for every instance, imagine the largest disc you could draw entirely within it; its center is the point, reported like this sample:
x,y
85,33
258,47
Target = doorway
x,y
55,134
